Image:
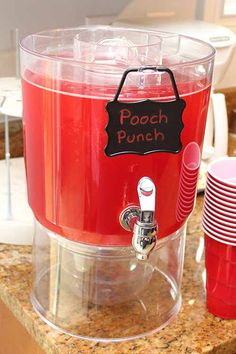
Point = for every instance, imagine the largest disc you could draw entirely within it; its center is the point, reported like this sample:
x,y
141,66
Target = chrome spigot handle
x,y
145,228
142,219
147,195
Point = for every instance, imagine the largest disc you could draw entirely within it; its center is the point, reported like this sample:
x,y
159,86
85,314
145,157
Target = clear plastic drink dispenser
x,y
110,119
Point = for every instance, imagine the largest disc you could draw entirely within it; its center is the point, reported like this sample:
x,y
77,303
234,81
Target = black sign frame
x,y
171,125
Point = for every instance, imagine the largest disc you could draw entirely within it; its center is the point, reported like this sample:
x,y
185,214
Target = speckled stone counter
x,y
193,331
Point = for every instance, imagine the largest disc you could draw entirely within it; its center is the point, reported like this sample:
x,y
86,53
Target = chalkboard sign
x,y
144,127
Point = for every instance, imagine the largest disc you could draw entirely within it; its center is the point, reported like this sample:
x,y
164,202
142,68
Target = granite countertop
x,y
193,331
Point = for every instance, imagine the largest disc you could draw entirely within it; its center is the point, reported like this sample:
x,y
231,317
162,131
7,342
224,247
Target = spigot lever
x,y
142,220
146,193
145,229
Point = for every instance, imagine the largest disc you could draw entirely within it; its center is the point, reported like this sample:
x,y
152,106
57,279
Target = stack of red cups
x,y
219,224
188,181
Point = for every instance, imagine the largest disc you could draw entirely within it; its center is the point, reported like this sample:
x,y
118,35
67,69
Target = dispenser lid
x,y
95,46
99,55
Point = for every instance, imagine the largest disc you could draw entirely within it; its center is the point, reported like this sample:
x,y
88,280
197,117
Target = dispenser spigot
x,y
142,220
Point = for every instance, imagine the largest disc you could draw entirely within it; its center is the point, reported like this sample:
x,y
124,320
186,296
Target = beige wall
x,y
7,63
36,15
159,9
229,79
213,13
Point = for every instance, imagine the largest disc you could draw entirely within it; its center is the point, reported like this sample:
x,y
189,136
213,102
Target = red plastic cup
x,y
218,234
224,271
220,249
188,180
188,188
182,211
220,208
225,229
182,214
187,198
219,190
226,196
187,174
218,184
220,201
221,290
224,171
225,224
219,217
191,157
219,228
185,206
220,294
179,216
219,308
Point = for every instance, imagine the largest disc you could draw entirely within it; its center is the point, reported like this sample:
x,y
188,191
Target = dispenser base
x,y
106,294
169,318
